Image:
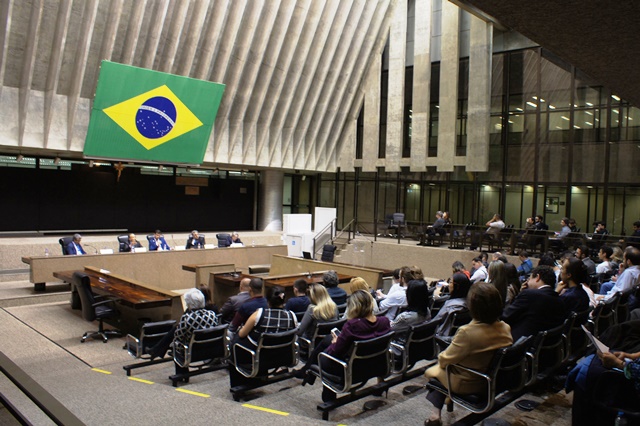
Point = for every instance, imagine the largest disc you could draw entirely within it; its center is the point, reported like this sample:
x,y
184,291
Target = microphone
x,y
89,245
235,273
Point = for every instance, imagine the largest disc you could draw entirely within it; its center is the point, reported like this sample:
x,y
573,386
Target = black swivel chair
x,y
95,309
123,240
397,224
223,240
328,253
64,242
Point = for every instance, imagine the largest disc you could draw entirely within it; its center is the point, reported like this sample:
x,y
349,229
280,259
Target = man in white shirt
x,y
629,278
494,226
480,273
605,256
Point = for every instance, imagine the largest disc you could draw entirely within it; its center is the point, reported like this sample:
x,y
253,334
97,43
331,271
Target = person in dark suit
x,y
234,238
74,248
132,244
300,301
195,241
230,307
330,281
158,242
538,307
255,302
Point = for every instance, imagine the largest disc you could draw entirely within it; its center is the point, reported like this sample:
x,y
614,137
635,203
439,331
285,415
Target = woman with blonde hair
x,y
358,283
322,309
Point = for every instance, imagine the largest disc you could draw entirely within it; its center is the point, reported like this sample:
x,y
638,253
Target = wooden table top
x,y
129,293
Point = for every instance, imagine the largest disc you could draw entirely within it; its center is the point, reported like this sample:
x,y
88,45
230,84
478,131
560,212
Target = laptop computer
x,y
306,255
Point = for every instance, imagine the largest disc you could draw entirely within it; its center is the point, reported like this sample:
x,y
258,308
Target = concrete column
x,y
270,200
371,116
421,84
449,67
395,98
479,95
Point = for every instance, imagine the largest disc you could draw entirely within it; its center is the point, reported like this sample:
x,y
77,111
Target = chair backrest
x,y
222,240
64,242
277,350
420,342
259,269
206,345
604,314
150,334
460,318
328,253
512,367
342,308
150,237
323,329
548,350
123,239
82,283
398,219
370,358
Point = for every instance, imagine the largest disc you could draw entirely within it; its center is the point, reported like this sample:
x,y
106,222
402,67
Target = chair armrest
x,y
251,352
304,339
468,370
346,383
182,349
133,342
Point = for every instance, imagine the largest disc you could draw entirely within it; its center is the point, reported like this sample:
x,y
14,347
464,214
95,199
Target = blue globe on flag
x,y
156,117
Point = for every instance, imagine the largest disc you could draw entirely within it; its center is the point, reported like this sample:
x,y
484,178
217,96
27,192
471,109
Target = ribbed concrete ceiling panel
x,y
292,69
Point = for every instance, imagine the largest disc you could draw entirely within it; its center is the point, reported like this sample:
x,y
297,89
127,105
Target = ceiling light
x,y
615,97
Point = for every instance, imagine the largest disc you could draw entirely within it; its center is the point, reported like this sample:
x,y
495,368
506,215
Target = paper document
x,y
601,347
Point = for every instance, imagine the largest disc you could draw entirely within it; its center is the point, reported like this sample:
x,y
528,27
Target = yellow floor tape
x,y
268,410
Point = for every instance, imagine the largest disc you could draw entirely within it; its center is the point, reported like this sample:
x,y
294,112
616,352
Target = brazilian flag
x,y
146,115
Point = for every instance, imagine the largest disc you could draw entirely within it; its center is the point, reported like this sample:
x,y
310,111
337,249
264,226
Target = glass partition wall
x,y
560,145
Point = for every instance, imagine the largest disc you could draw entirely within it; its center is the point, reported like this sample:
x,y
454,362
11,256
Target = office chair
x,y
328,253
123,240
64,242
222,240
397,224
94,309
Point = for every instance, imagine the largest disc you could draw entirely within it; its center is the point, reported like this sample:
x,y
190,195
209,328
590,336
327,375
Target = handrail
x,y
329,227
53,408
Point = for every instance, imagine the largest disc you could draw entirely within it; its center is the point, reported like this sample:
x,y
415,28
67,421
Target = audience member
x,y
480,273
538,307
540,225
158,243
272,319
604,255
299,302
438,225
395,286
627,279
492,232
398,299
321,309
458,266
458,290
195,241
74,248
573,227
473,347
447,218
636,229
582,253
526,265
132,244
572,293
498,277
330,281
513,282
417,310
601,228
255,302
230,307
195,318
362,324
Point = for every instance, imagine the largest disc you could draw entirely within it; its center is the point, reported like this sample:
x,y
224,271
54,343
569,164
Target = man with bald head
x,y
230,307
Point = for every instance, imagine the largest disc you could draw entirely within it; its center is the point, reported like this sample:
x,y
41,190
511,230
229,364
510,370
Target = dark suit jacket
x,y
231,306
71,249
127,246
533,311
153,245
230,241
199,243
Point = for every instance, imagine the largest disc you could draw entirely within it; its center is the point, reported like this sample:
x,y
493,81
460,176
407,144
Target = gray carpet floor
x,y
44,340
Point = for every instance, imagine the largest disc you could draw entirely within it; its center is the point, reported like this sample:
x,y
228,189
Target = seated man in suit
x,y
255,302
438,225
230,307
157,243
234,238
74,248
330,281
132,244
195,241
300,301
538,307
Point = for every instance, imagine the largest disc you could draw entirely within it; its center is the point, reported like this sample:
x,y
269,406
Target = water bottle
x,y
621,420
46,252
253,243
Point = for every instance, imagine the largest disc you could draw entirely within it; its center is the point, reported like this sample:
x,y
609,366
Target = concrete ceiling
x,y
291,68
599,37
